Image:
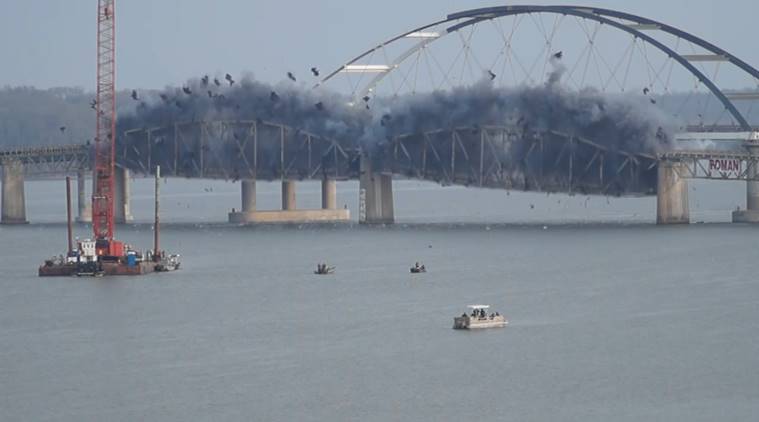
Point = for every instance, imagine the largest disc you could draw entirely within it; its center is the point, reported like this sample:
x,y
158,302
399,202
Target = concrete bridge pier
x,y
375,196
84,214
248,210
13,200
329,194
751,213
288,195
248,192
289,213
122,197
671,195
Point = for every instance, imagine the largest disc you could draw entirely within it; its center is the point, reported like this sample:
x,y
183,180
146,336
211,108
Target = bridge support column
x,y
122,197
84,214
248,211
751,213
248,188
375,196
288,194
671,195
329,194
13,201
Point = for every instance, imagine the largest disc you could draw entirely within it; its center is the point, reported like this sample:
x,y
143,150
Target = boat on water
x,y
104,256
323,269
416,269
478,317
83,261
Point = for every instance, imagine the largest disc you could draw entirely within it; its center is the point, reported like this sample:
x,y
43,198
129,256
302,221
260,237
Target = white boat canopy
x,y
478,306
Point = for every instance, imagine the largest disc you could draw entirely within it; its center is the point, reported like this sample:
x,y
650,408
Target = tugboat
x,y
479,318
416,269
324,269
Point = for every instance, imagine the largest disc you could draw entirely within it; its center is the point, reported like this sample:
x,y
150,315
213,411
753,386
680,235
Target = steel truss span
x,y
233,150
504,157
640,57
499,157
50,160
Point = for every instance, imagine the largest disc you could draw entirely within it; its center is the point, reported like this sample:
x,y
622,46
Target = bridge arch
x,y
633,25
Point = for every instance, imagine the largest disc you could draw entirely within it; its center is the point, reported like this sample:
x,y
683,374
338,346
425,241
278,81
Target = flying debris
x,y
315,71
204,80
652,101
216,81
229,79
623,123
661,134
646,91
134,95
491,74
187,90
558,55
291,76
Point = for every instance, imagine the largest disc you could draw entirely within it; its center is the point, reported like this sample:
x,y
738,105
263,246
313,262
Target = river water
x,y
611,317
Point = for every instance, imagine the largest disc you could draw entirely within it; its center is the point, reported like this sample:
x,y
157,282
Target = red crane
x,y
105,137
106,256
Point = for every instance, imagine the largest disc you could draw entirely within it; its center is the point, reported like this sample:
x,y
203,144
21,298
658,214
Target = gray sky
x,y
160,42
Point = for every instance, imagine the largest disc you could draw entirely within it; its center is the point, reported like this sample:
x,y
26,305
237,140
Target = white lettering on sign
x,y
725,165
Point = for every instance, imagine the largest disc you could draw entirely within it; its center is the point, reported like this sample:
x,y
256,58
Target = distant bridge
x,y
500,157
489,156
494,156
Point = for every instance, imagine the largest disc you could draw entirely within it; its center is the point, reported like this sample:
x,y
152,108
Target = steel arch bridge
x,y
497,156
412,48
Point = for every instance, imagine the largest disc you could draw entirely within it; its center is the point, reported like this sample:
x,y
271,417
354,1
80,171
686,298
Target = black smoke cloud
x,y
619,122
322,113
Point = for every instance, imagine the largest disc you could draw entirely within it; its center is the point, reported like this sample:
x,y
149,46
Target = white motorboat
x,y
478,317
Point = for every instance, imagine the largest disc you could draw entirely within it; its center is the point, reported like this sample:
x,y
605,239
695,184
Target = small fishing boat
x,y
416,269
478,317
323,269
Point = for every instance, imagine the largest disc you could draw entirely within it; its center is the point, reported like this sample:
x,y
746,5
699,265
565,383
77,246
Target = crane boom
x,y
103,193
